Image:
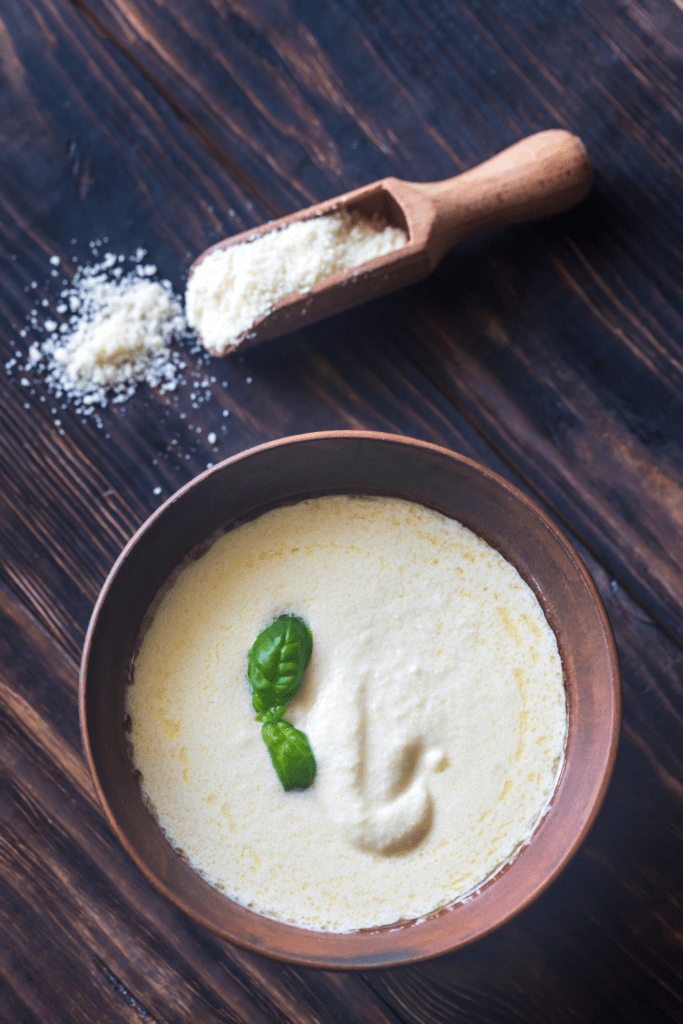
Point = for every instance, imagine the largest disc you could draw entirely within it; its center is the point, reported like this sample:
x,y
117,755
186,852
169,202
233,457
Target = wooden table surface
x,y
551,352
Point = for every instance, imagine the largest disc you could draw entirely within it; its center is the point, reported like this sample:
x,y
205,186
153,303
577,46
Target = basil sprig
x,y
276,666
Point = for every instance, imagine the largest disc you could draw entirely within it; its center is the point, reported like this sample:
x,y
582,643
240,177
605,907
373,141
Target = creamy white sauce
x,y
433,703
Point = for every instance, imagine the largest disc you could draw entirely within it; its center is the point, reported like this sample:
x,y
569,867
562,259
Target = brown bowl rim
x,y
386,958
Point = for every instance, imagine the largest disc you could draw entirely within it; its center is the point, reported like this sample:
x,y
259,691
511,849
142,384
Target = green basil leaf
x,y
275,667
290,753
277,662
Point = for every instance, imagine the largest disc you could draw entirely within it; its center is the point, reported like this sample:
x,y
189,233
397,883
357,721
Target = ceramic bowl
x,y
362,463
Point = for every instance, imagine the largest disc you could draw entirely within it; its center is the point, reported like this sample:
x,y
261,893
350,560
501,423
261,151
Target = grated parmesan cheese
x,y
230,288
123,325
117,335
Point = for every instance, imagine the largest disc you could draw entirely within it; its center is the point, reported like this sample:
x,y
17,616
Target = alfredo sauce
x,y
433,703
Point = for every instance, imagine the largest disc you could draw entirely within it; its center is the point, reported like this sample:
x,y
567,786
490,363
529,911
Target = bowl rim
x,y
602,774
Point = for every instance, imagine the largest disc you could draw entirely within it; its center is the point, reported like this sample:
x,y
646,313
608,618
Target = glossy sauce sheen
x,y
433,703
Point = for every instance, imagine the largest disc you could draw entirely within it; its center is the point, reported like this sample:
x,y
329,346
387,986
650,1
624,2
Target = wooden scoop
x,y
537,177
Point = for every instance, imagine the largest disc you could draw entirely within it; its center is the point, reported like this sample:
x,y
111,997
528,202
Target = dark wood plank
x,y
587,409
75,494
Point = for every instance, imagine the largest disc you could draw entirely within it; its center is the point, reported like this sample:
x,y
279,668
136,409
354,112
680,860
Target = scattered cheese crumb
x,y
230,288
125,323
118,334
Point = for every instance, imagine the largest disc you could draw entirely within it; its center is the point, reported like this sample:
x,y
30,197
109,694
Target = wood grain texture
x,y
595,428
551,352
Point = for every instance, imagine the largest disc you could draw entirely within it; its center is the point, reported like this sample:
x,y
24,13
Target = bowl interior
x,y
350,462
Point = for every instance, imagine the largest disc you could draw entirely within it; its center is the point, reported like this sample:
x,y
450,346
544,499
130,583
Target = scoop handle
x,y
542,175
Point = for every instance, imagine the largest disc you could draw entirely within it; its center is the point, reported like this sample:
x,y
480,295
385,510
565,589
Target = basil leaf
x,y
277,662
275,666
290,753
